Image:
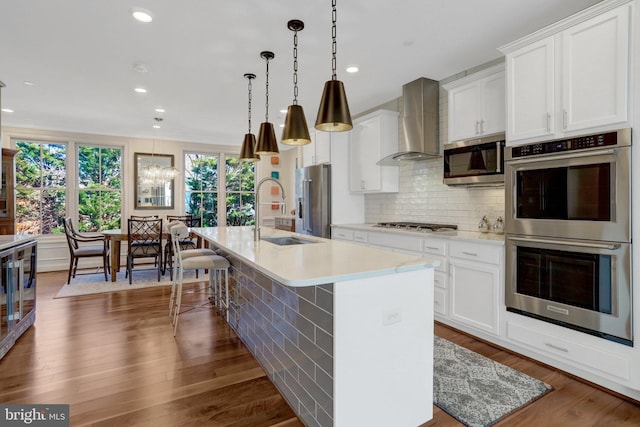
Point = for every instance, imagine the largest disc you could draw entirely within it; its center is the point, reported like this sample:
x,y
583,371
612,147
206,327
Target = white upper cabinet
x,y
477,104
373,137
570,78
319,151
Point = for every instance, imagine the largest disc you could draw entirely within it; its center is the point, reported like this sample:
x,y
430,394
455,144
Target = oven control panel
x,y
570,144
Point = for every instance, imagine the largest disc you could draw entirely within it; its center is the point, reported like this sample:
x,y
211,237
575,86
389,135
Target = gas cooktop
x,y
417,226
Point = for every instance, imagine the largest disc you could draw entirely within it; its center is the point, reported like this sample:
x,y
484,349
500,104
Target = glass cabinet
x,y
17,292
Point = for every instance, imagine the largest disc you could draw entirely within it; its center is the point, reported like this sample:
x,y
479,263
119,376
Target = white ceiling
x,y
80,56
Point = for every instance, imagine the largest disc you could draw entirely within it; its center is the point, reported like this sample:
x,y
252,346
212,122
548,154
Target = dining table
x,y
115,237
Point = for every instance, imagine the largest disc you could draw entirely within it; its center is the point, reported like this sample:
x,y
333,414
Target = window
x,y
41,180
99,188
201,187
240,194
203,192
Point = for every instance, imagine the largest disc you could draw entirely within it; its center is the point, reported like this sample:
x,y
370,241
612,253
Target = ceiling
x,y
80,56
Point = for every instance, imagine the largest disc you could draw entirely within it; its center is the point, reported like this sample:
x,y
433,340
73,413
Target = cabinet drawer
x,y
580,354
440,301
440,279
407,243
360,236
342,234
476,252
435,247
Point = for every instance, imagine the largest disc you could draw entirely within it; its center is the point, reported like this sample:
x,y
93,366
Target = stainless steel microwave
x,y
477,161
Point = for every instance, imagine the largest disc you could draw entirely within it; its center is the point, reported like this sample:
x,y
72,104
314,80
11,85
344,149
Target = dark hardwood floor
x,y
114,359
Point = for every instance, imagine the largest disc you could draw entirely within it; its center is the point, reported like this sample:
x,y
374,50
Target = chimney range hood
x,y
420,117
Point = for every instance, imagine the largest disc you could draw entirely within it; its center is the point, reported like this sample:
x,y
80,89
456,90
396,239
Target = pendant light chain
x,y
295,67
334,48
250,103
267,94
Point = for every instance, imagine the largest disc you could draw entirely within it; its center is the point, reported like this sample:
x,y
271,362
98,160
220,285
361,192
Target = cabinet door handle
x,y
362,185
481,126
477,127
555,347
431,247
470,253
548,123
564,119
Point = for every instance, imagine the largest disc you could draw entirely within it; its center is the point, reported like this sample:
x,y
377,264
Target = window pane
x,y
111,167
88,167
201,172
210,209
28,211
28,172
53,210
54,172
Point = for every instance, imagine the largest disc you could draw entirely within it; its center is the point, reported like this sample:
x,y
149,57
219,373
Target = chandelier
x,y
154,174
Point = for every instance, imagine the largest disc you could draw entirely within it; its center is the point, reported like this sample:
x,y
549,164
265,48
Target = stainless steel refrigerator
x,y
313,200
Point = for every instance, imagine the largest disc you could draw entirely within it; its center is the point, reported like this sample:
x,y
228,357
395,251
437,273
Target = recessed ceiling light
x,y
283,111
7,110
352,69
159,110
28,83
156,126
140,67
140,90
141,15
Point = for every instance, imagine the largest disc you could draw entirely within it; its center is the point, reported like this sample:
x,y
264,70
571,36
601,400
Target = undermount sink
x,y
287,240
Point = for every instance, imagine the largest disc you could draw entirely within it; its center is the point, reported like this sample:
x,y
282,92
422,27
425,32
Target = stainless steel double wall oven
x,y
568,226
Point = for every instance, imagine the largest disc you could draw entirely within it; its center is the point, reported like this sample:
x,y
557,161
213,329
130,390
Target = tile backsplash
x,y
423,197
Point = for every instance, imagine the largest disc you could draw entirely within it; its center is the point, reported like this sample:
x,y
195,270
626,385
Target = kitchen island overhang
x,y
344,331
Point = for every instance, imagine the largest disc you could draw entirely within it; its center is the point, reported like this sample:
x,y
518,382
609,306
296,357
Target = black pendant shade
x,y
267,144
296,131
247,152
333,114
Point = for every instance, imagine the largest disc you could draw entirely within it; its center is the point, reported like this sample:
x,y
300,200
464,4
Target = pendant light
x,y
333,113
267,144
247,152
295,130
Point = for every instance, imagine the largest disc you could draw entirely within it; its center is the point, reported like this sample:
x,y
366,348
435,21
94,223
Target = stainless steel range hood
x,y
420,119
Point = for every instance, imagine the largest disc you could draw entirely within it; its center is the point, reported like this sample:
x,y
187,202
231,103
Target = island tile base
x,y
356,352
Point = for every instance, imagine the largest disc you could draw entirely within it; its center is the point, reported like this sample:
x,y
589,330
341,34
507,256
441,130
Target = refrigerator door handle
x,y
306,209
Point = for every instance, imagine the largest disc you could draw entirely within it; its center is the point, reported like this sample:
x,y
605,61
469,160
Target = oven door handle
x,y
610,152
610,246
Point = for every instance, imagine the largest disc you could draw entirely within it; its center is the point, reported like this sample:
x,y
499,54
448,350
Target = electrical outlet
x,y
392,316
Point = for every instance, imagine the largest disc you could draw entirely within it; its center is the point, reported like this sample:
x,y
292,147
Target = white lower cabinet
x,y
475,298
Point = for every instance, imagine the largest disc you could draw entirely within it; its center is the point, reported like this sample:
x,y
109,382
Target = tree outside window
x,y
240,194
99,188
40,187
201,187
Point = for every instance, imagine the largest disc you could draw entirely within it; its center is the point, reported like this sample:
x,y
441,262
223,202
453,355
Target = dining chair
x,y
77,250
216,264
144,240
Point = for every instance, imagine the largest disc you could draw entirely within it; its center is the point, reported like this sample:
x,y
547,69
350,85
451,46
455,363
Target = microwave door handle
x,y
498,157
572,243
566,156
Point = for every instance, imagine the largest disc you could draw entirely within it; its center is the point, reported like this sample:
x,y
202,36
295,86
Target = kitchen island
x,y
345,332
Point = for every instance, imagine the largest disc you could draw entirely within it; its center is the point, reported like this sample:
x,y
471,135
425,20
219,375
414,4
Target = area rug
x,y
95,283
478,391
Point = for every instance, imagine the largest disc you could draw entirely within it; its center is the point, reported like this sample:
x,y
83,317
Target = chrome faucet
x,y
256,227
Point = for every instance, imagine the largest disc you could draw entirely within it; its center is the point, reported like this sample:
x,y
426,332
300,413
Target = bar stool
x,y
216,264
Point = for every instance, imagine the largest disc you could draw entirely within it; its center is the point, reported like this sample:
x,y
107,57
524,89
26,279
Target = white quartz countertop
x,y
325,261
9,241
472,236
